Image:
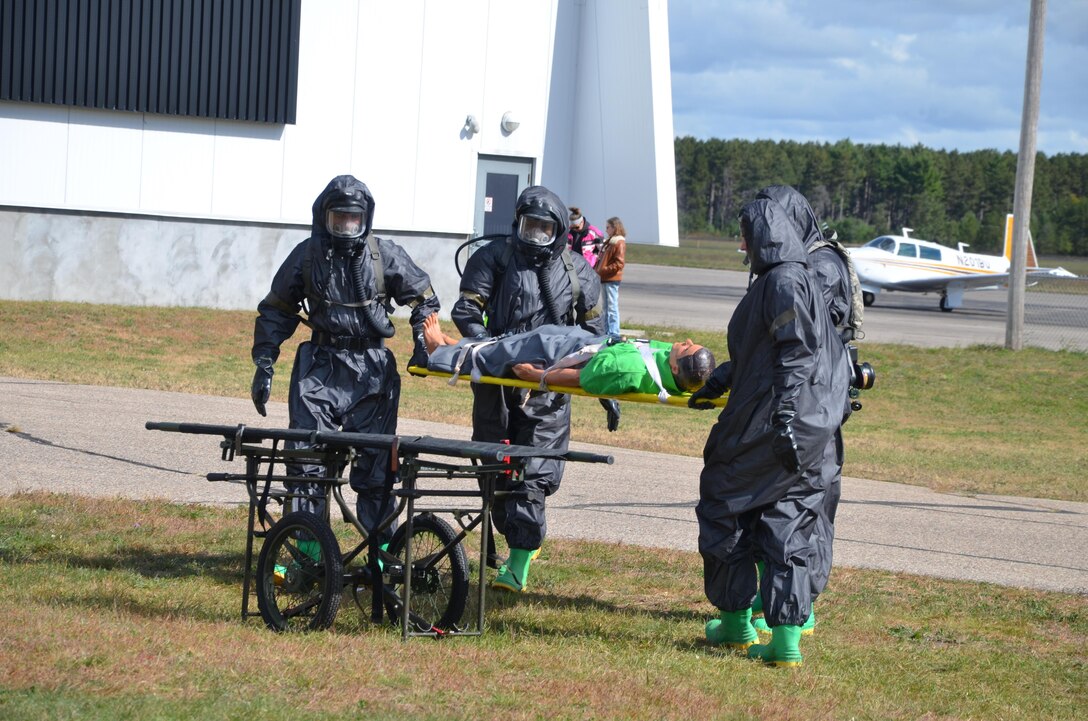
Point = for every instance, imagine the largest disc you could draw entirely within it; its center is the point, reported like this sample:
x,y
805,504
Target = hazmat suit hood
x,y
772,238
539,201
343,189
828,258
797,209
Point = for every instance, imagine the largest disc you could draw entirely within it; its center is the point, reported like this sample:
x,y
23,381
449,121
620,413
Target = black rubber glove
x,y
612,408
419,355
261,389
783,443
720,381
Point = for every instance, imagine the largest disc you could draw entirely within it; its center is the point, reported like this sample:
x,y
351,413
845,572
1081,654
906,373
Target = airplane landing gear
x,y
868,299
945,307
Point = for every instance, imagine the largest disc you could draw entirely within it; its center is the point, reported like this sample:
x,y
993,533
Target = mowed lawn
x,y
121,609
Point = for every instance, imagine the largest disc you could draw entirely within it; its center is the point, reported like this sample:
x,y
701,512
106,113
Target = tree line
x,y
868,190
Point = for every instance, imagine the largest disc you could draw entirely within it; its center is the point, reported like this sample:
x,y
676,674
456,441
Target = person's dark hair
x,y
693,370
745,226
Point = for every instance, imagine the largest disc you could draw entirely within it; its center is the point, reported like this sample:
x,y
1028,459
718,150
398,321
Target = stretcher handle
x,y
409,445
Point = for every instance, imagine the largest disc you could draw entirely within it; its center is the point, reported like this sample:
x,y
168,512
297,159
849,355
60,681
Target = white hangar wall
x,y
610,135
133,208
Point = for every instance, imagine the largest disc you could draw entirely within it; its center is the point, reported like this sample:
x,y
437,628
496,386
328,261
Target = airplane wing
x,y
973,281
1050,273
953,280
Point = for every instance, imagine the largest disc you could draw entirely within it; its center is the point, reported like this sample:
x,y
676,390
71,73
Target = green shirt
x,y
619,368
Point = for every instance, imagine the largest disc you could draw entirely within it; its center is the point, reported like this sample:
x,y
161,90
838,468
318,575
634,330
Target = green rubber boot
x,y
311,549
806,630
532,557
782,651
381,563
732,629
514,575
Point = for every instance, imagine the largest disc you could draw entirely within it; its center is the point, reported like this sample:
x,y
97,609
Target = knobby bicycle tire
x,y
296,591
440,592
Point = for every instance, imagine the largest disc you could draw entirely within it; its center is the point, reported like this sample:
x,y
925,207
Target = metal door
x,y
499,181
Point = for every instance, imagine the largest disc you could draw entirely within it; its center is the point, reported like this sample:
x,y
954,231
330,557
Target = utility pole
x,y
1025,177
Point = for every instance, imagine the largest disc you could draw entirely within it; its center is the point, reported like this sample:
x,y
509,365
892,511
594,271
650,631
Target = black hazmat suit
x,y
344,377
836,280
788,368
519,287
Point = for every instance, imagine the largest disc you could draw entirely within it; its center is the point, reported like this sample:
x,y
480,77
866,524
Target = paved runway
x,y
91,440
705,299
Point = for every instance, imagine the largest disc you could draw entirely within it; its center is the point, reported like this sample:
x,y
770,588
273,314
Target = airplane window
x,y
930,253
908,249
883,243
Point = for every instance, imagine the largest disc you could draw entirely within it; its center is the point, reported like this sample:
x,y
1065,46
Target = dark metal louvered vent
x,y
230,59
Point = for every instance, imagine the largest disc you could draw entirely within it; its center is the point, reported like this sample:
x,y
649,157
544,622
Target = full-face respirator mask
x,y
345,224
536,231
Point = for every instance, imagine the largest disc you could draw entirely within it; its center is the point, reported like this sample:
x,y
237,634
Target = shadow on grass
x,y
551,614
147,599
221,568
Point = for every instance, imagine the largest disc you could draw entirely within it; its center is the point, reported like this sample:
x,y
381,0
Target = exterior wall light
x,y
472,125
509,123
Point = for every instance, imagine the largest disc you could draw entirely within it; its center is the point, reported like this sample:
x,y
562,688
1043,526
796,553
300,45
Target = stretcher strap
x,y
680,401
467,348
651,367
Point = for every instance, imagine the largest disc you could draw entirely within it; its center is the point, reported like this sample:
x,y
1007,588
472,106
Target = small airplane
x,y
913,265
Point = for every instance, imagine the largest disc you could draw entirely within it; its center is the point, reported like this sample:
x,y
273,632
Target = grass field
x,y
968,420
120,609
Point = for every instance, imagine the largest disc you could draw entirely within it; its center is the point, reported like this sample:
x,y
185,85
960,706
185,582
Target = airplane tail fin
x,y
1032,260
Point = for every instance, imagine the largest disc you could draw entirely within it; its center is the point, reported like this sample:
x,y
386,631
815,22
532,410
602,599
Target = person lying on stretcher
x,y
570,357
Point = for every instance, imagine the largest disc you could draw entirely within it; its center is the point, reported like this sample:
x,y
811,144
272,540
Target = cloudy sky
x,y
943,73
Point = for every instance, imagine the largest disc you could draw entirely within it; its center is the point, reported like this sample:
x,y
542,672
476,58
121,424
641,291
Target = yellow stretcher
x,y
680,401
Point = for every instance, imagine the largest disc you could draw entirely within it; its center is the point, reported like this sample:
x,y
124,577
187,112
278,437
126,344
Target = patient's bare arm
x,y
565,377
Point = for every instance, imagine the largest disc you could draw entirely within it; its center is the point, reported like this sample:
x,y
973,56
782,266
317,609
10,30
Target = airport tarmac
x,y
91,440
704,299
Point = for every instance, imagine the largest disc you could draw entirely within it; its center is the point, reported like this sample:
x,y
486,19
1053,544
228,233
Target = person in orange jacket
x,y
610,269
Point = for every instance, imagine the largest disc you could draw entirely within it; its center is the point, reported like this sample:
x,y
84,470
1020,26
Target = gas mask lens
x,y
344,222
536,231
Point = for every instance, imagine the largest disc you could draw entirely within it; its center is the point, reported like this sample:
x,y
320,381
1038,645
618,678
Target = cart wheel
x,y
297,591
439,591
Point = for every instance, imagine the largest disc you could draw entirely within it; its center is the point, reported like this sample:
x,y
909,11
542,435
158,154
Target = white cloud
x,y
899,49
946,74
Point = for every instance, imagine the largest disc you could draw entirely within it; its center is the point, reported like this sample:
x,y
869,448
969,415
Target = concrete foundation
x,y
159,261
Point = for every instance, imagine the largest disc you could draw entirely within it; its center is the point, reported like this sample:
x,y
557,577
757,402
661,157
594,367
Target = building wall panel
x,y
385,136
247,164
34,148
103,166
178,165
141,56
319,145
451,85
